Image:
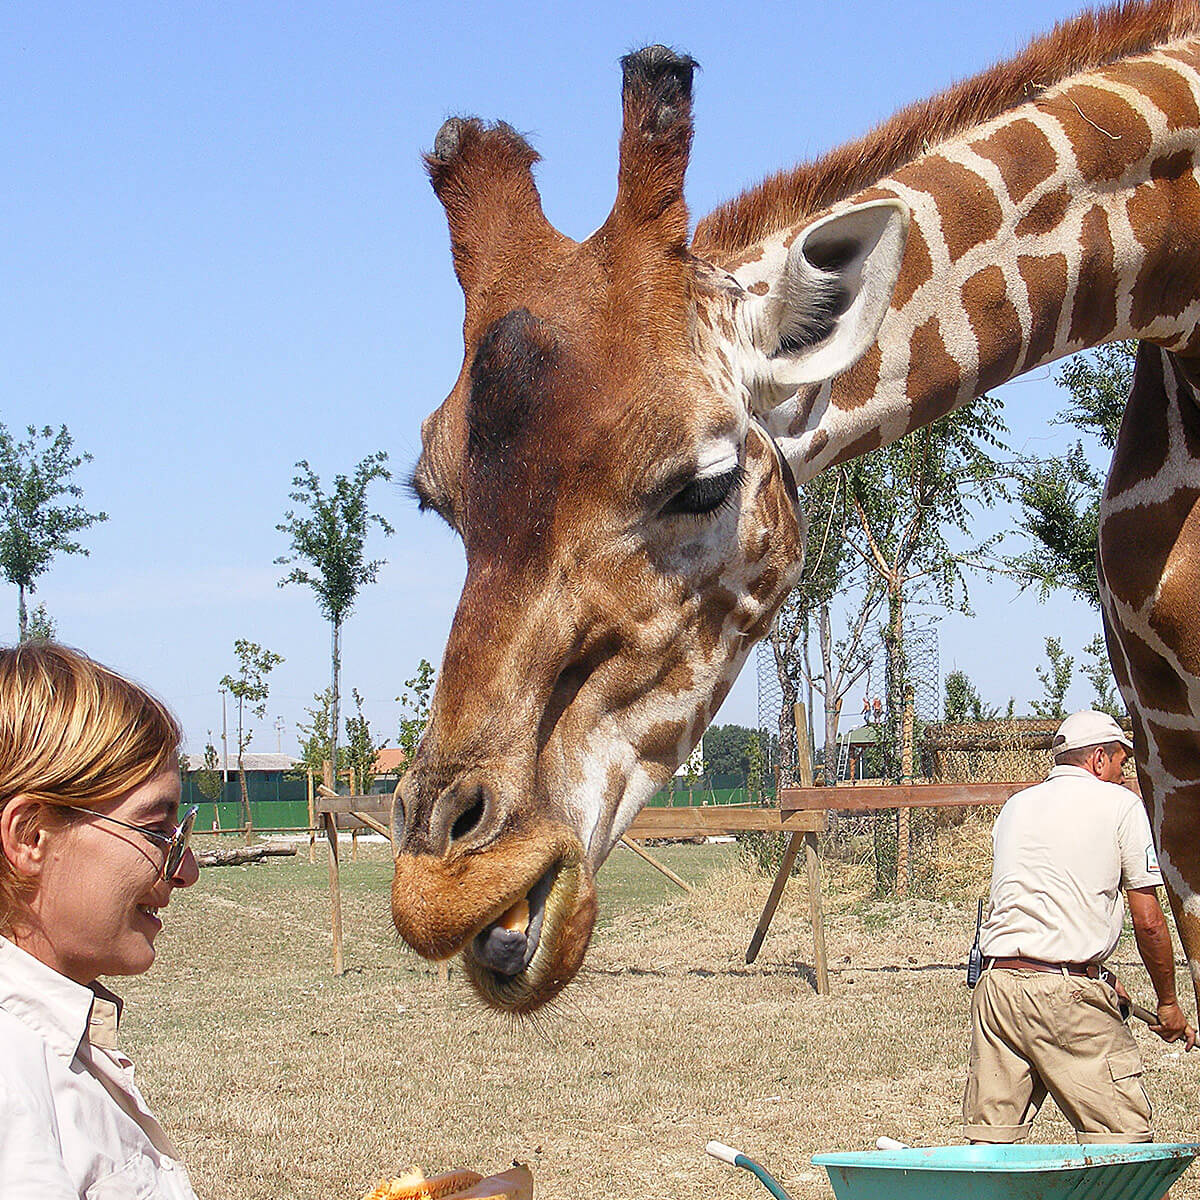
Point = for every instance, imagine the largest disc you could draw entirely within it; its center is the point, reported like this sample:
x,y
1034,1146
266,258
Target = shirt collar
x,y
58,1009
1067,769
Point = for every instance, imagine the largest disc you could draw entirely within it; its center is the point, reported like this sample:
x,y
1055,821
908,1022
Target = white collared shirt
x,y
1063,852
72,1124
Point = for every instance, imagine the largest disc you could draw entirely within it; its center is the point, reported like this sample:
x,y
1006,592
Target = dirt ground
x,y
278,1079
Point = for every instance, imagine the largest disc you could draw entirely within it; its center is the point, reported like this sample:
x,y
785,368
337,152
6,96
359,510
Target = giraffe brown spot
x,y
1107,134
1094,315
1163,211
969,210
871,440
761,288
1024,155
1177,841
820,440
1188,55
1186,406
916,268
1151,675
805,398
1173,617
1045,280
751,254
1046,215
853,388
1144,438
996,325
1164,87
1179,749
1155,548
934,377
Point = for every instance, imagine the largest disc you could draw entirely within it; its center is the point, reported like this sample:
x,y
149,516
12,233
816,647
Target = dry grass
x,y
278,1079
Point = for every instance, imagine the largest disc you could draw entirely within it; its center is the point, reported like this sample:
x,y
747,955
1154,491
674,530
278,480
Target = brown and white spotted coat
x,y
628,522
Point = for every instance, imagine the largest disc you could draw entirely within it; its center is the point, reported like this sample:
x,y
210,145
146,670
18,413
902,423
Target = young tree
x,y
833,586
331,539
1055,679
361,749
40,626
208,778
35,476
1060,497
315,742
963,702
906,501
250,688
414,703
1098,672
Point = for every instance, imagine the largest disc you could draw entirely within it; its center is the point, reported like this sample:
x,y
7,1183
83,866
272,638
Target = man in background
x,y
1046,1017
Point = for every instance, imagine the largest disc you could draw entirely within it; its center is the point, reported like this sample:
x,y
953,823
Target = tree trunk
x,y
247,820
22,615
335,671
886,831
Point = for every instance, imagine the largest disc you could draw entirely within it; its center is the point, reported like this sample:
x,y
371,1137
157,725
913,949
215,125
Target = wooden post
x,y
903,815
809,840
816,907
335,890
683,883
312,820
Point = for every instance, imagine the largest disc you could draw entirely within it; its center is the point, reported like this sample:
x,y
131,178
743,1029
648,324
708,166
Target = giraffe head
x,y
630,529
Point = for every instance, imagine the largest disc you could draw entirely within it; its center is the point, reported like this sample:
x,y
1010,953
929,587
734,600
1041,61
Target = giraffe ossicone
x,y
620,451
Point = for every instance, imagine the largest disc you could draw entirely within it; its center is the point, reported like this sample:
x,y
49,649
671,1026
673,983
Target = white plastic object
x,y
887,1143
724,1153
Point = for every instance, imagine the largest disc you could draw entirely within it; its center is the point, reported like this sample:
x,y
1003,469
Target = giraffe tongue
x,y
507,946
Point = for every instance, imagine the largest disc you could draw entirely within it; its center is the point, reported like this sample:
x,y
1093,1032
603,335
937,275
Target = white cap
x,y
1088,728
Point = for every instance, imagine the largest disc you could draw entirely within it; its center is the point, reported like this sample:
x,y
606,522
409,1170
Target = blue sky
x,y
221,255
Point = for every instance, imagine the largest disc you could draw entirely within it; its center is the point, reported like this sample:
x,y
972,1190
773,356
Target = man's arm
x,y
1153,937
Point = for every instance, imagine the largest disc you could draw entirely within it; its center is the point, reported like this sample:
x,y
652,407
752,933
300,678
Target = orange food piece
x,y
416,1188
517,917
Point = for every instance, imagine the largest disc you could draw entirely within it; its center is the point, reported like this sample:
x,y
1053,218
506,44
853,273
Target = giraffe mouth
x,y
525,956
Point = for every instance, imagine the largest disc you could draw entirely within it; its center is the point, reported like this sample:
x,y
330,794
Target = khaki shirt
x,y
73,1126
1063,852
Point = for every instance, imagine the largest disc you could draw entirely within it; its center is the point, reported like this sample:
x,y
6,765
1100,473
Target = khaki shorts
x,y
1034,1033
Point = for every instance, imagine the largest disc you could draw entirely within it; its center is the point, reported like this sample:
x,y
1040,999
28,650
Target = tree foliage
x,y
36,477
1097,670
1060,496
1055,678
963,702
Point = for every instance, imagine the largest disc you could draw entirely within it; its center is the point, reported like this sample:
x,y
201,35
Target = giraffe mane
x,y
1088,41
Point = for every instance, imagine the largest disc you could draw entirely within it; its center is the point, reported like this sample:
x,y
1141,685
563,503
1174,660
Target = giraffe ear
x,y
823,312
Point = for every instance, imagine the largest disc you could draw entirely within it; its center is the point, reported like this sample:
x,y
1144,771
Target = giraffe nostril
x,y
470,817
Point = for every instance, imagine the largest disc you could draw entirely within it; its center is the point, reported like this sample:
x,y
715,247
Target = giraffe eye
x,y
705,495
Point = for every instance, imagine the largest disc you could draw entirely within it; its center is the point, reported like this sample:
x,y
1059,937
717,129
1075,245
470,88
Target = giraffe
x,y
621,451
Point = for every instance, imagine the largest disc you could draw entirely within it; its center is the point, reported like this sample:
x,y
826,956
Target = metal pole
x,y
224,744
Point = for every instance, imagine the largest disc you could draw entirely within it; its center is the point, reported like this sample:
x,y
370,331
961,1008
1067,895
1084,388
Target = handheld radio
x,y
975,958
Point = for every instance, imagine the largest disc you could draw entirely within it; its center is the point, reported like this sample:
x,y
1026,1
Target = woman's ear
x,y
24,839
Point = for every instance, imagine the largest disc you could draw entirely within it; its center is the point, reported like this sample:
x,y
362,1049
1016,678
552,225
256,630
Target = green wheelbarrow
x,y
1068,1172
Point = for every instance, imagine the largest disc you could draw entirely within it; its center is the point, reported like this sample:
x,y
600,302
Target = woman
x,y
91,850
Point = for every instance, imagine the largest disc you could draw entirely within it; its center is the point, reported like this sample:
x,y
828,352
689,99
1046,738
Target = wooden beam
x,y
371,823
658,866
335,890
916,795
710,819
768,912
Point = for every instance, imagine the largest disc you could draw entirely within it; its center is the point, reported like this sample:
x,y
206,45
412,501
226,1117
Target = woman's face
x,y
100,895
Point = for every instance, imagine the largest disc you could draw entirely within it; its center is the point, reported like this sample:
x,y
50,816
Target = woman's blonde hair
x,y
73,732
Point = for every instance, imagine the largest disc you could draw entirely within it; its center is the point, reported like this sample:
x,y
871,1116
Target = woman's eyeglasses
x,y
176,843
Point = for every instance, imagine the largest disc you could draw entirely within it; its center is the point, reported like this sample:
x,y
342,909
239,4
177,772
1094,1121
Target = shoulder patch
x,y
1151,860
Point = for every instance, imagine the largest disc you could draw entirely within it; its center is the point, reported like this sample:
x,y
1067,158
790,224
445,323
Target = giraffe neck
x,y
1069,221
